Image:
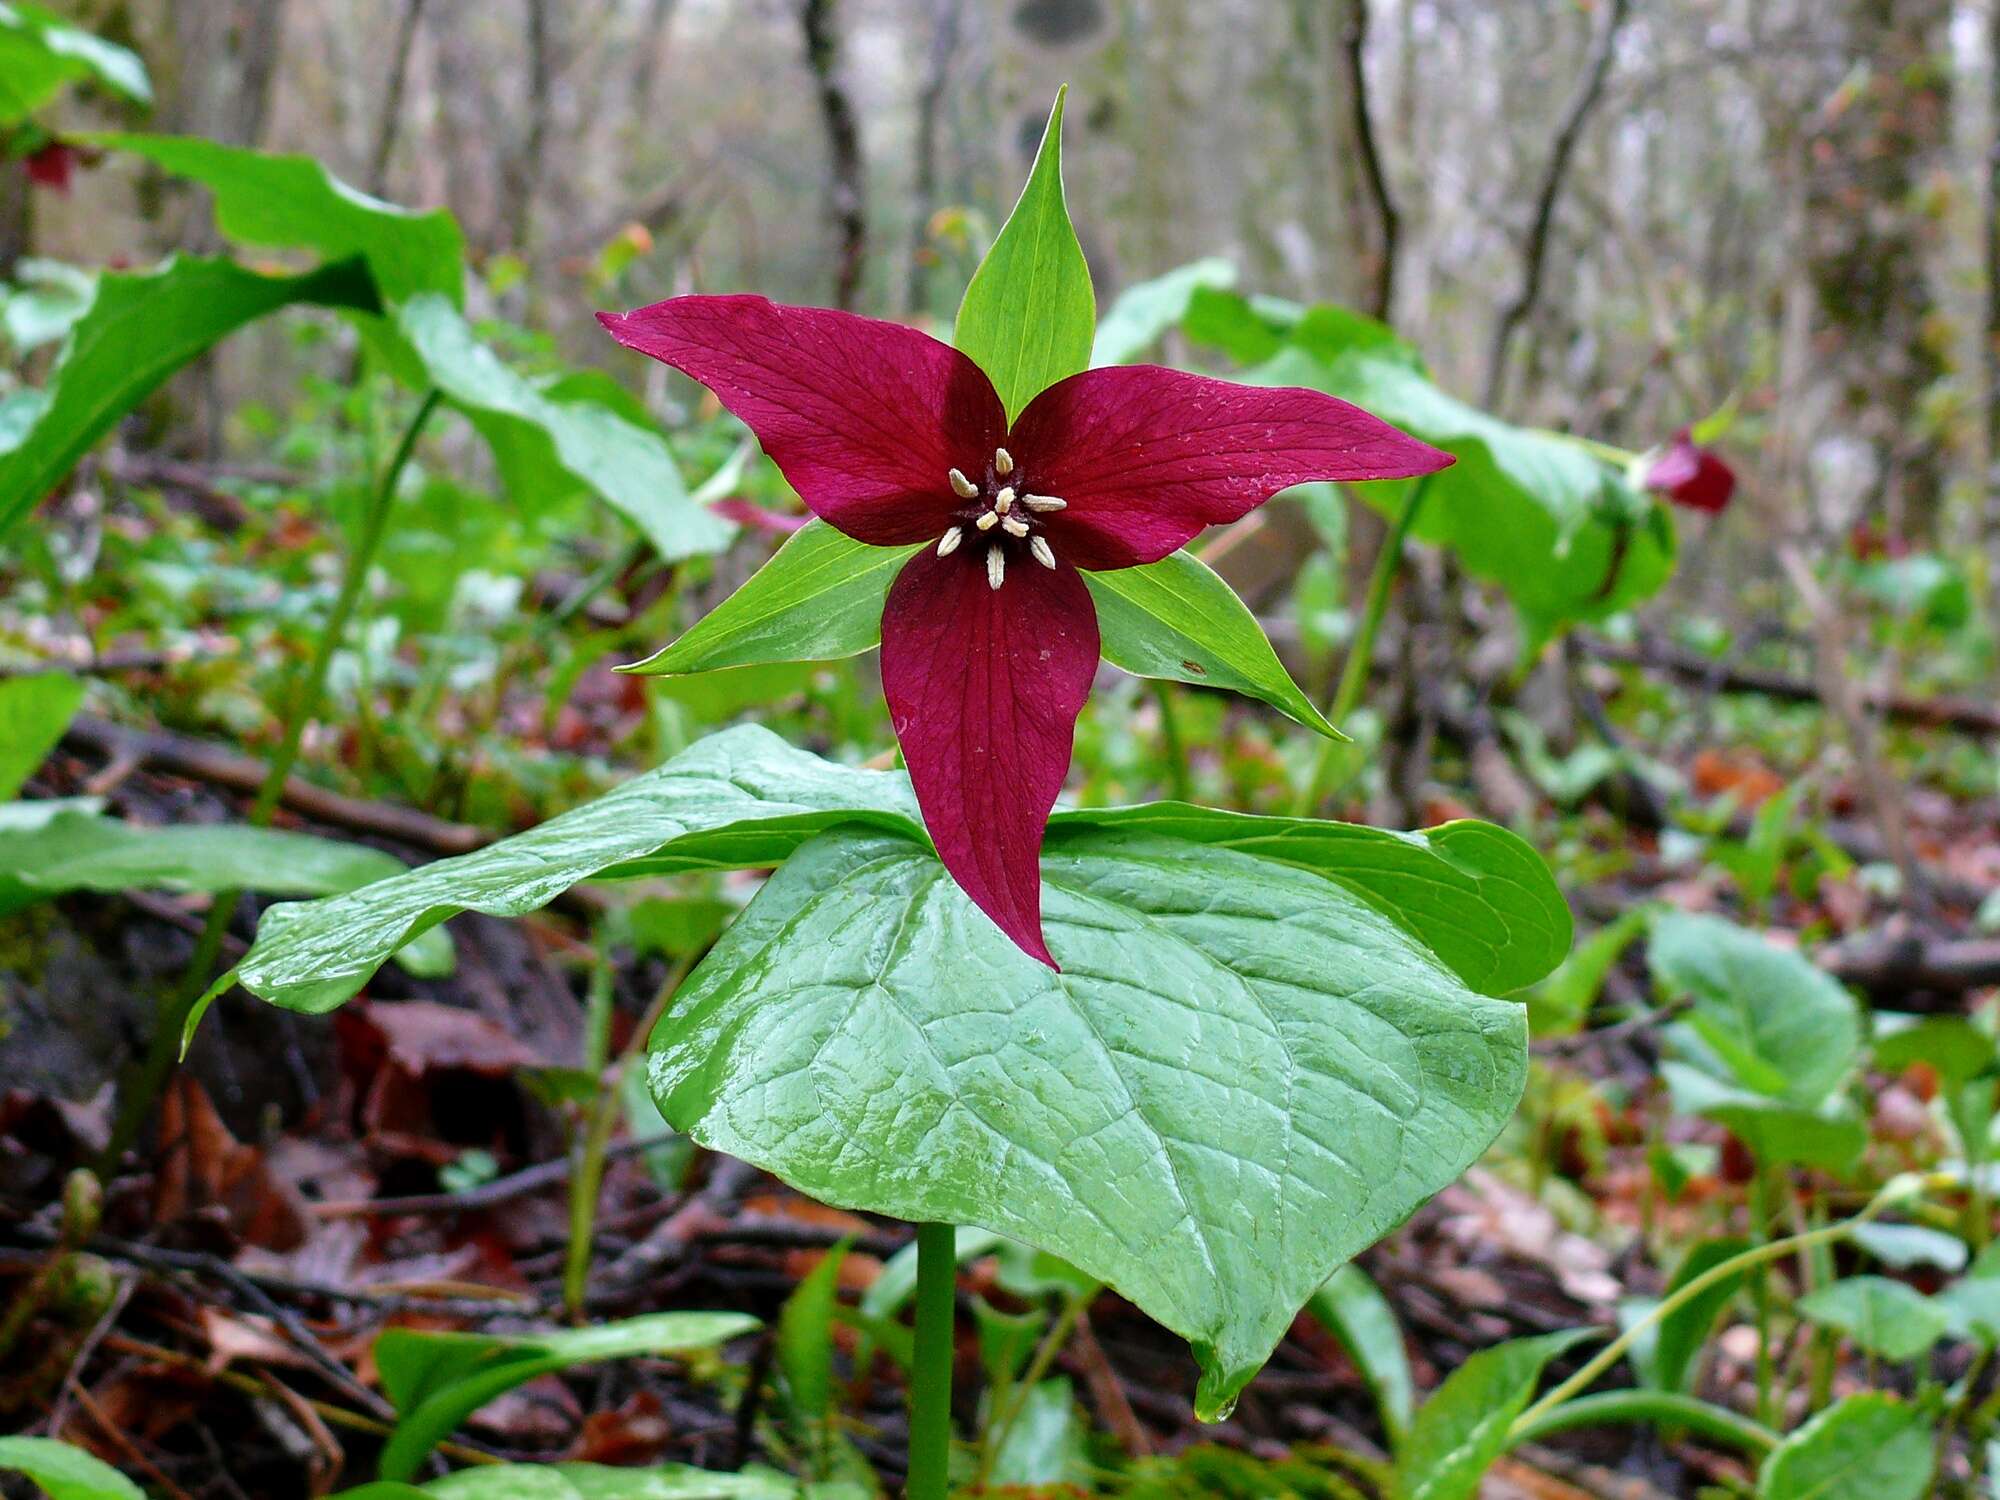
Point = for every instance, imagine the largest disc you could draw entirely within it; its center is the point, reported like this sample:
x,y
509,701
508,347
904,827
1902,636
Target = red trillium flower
x,y
989,636
1690,475
52,166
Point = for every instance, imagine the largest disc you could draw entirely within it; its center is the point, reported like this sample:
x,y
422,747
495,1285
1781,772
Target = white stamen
x,y
987,522
1043,555
1014,526
1003,462
1044,502
996,567
948,543
1004,501
964,487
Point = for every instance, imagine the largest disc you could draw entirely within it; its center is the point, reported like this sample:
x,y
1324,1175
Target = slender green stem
x,y
1017,1397
1760,1290
930,1377
1179,776
165,1048
1666,1408
1361,650
1736,1265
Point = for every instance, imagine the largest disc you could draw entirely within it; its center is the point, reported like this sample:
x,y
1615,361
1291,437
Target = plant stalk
x,y
164,1050
1179,777
1361,650
1664,1408
1756,1255
930,1377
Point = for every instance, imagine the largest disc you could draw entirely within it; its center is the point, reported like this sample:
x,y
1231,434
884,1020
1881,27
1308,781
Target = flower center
x,y
1001,516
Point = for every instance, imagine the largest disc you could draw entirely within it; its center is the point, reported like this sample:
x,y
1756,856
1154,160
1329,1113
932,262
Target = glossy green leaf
x,y
1142,314
1177,619
1463,1427
293,202
739,799
1562,534
1480,897
1353,1309
77,851
1046,1445
34,712
544,443
819,598
1780,1026
142,327
1867,1447
65,1472
437,1380
40,52
1029,315
573,1481
1881,1316
1242,1077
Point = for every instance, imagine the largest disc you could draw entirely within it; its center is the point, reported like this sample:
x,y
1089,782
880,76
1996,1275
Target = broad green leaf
x,y
1867,1447
437,1380
1881,1316
1353,1309
1046,1445
1831,1135
1480,897
1908,1246
1143,313
1477,895
582,444
1029,314
739,799
1242,1076
819,598
293,202
1971,1304
76,851
40,52
141,328
1177,619
34,712
1562,534
64,1472
1779,1025
1463,1427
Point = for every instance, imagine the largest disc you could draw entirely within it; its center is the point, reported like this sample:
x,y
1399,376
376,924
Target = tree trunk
x,y
846,177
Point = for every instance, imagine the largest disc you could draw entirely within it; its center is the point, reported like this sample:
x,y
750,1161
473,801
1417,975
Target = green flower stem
x,y
1665,1408
930,1378
1756,1255
1179,778
1361,650
165,1047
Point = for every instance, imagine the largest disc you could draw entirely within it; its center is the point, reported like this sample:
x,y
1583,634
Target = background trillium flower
x,y
989,636
1690,475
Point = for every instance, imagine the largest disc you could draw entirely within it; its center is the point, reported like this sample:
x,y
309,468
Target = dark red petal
x,y
1148,457
52,166
866,418
1691,475
984,686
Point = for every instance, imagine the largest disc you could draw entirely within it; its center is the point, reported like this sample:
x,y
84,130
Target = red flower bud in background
x,y
1690,475
52,166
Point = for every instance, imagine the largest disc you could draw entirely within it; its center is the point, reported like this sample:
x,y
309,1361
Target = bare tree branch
x,y
392,103
846,197
923,188
1596,68
1389,224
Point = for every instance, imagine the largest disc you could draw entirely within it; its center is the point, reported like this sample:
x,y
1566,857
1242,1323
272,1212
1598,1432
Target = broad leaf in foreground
x,y
1463,1427
1242,1076
1142,313
34,712
140,329
65,1472
1476,895
40,52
